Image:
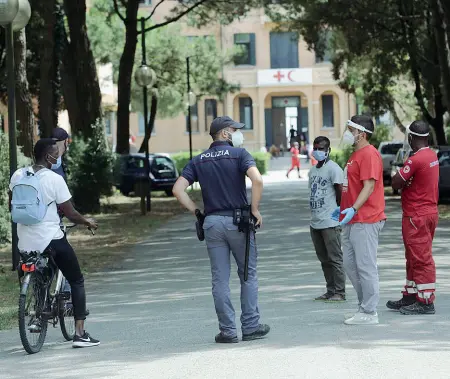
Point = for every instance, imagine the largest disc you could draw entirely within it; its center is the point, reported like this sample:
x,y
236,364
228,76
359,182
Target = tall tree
x,y
81,88
201,12
168,50
44,30
24,109
399,37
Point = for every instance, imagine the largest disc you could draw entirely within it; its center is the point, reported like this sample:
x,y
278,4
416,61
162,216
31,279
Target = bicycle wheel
x,y
66,319
32,328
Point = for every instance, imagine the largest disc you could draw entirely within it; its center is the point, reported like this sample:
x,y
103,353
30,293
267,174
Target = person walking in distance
x,y
325,185
295,159
419,181
221,172
362,216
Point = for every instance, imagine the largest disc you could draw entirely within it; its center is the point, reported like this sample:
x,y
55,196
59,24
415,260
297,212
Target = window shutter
x,y
252,49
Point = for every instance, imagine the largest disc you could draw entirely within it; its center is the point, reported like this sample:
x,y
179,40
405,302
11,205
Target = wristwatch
x,y
355,210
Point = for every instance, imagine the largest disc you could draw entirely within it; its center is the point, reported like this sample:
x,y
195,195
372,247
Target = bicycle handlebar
x,y
67,227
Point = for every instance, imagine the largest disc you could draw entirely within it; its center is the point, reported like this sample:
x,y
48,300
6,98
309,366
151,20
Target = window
x,y
284,50
325,42
109,116
327,111
210,112
194,120
246,41
444,158
145,2
391,148
246,112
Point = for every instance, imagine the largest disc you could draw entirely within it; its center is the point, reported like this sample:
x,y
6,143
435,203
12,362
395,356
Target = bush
x,y
90,170
382,133
22,161
261,160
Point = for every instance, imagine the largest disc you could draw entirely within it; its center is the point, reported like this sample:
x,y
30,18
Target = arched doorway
x,y
286,118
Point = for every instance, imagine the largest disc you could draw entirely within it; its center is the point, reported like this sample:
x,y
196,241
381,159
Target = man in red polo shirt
x,y
418,179
362,217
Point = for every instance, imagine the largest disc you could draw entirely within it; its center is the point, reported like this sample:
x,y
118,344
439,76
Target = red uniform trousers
x,y
418,234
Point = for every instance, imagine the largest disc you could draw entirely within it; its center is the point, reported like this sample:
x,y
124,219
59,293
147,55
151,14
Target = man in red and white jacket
x,y
418,179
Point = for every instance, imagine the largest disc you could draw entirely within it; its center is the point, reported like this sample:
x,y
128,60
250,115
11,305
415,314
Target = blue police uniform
x,y
220,170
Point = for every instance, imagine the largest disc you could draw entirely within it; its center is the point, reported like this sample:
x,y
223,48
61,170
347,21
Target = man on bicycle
x,y
47,234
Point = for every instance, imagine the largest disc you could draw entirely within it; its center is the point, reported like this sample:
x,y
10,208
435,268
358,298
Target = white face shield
x,y
407,150
348,138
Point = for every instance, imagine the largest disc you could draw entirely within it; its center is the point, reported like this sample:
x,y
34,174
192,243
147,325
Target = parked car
x,y
443,153
130,168
388,151
444,171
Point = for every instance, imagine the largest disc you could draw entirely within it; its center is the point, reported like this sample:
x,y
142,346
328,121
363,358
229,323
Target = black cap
x,y
223,122
60,134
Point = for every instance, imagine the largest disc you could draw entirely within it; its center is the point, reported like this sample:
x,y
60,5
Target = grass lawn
x,y
120,227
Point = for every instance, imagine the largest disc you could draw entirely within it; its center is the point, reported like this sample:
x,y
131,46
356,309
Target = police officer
x,y
221,171
62,140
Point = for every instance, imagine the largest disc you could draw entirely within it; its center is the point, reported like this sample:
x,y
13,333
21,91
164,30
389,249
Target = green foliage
x,y
90,166
261,160
382,133
166,52
381,47
341,156
22,161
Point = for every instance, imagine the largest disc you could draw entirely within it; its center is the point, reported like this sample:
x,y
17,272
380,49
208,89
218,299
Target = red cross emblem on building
x,y
278,76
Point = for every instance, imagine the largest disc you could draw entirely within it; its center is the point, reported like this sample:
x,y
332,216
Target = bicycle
x,y
39,303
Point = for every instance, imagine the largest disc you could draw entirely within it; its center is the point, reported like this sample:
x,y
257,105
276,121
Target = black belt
x,y
222,213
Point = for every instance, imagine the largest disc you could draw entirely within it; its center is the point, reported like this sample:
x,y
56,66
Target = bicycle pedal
x,y
65,295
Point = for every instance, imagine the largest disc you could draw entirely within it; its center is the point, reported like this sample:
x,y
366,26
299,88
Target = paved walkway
x,y
155,316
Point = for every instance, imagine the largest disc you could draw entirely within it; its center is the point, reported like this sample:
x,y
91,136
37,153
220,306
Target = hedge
x,y
261,159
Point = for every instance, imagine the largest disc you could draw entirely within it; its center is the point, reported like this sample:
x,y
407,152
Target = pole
x,y
9,42
189,109
144,90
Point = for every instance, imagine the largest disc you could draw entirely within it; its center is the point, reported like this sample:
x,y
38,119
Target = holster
x,y
243,219
199,225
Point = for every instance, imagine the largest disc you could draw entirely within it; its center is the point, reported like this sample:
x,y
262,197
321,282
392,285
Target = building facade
x,y
282,85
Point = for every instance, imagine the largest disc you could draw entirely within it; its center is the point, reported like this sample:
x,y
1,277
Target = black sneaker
x,y
325,296
336,298
403,302
84,341
259,333
418,308
220,338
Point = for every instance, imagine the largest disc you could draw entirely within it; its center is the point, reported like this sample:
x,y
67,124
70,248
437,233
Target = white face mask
x,y
348,138
237,138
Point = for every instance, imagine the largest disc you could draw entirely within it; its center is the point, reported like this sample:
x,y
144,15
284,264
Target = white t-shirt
x,y
54,191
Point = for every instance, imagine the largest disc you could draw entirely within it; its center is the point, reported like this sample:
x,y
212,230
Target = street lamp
x,y
190,99
145,77
14,16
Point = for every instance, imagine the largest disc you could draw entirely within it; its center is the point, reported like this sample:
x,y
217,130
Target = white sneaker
x,y
362,319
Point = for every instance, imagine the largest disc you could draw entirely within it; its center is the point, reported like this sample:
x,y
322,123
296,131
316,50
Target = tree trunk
x,y
125,77
24,110
48,113
442,51
151,123
80,72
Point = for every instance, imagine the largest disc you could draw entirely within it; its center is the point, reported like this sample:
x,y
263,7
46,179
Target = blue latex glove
x,y
335,214
349,213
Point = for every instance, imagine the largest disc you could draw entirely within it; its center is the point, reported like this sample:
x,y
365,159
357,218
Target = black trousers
x,y
67,262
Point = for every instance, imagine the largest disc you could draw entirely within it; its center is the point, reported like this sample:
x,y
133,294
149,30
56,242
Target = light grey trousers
x,y
359,248
221,236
